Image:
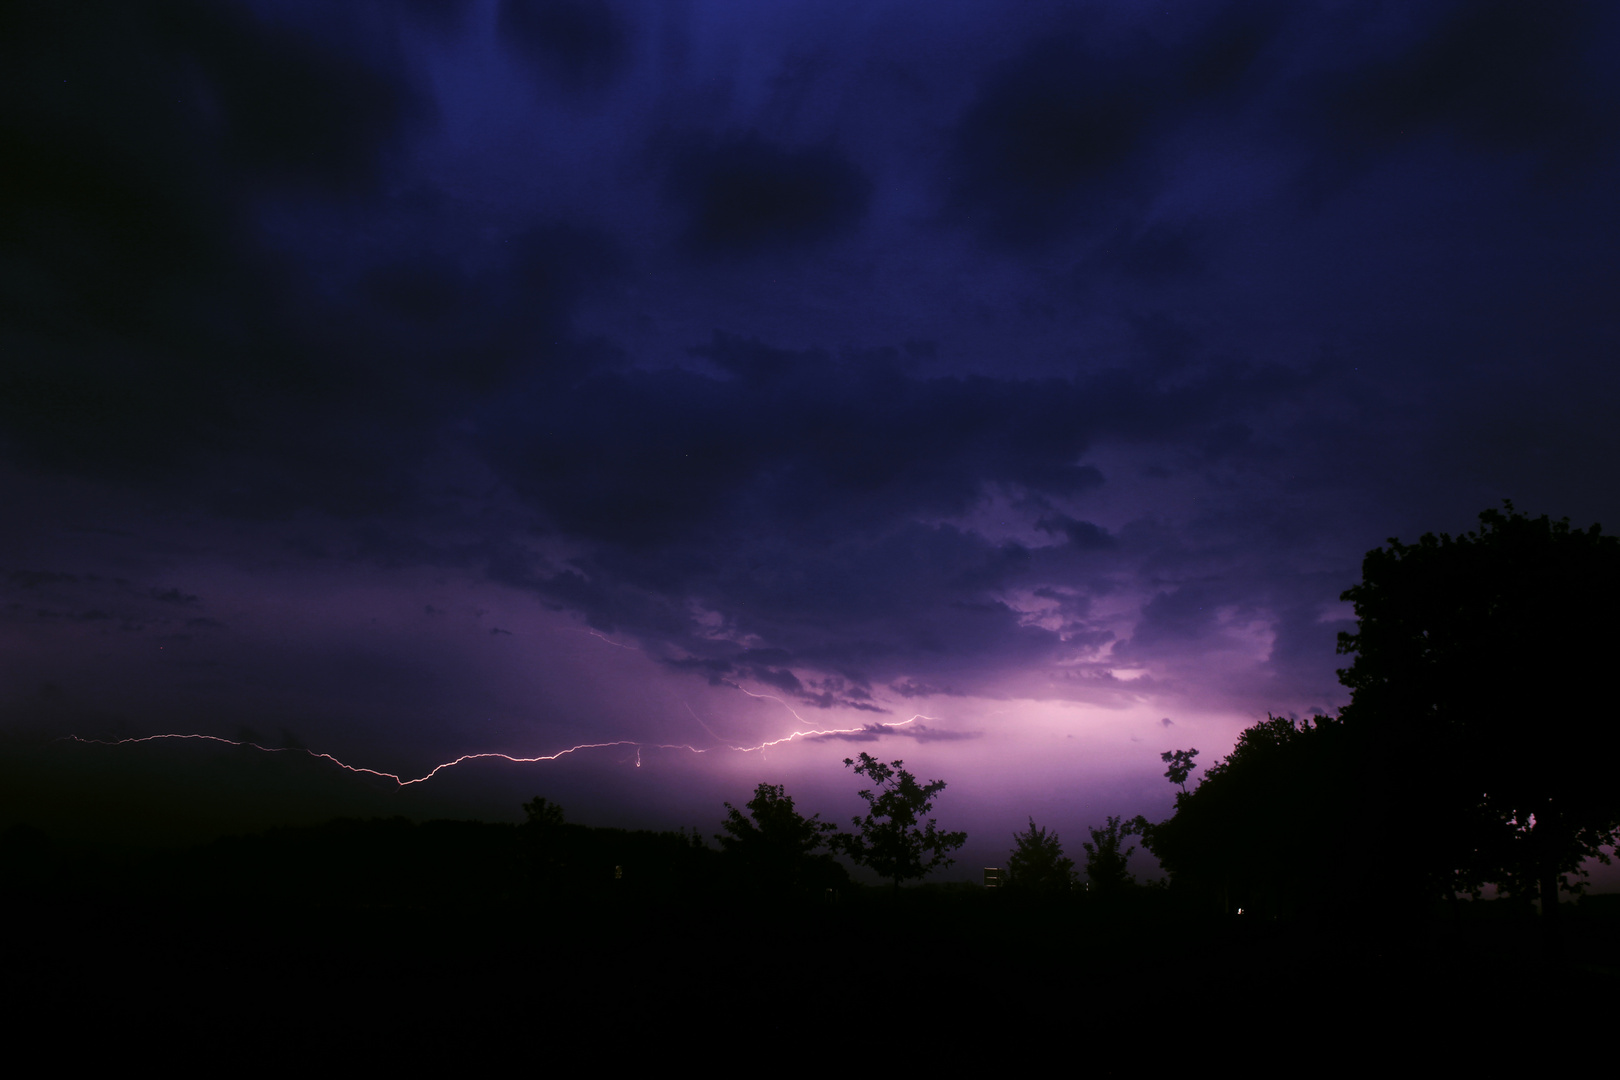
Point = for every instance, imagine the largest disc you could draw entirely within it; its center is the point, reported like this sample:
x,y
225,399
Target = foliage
x,y
1275,825
546,840
890,841
1038,864
542,814
560,860
1480,672
1478,746
1107,867
1181,765
774,846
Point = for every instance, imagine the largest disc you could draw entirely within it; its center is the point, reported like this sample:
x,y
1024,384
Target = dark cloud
x,y
1082,534
1224,297
916,600
806,439
714,667
783,680
1050,134
1501,75
911,688
142,327
745,195
1065,133
446,16
1174,619
33,579
423,291
579,45
172,595
784,486
876,732
642,457
1150,253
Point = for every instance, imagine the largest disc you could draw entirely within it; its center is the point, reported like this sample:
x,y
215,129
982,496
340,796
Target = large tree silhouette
x,y
1275,827
1107,860
776,848
891,839
1037,864
1481,671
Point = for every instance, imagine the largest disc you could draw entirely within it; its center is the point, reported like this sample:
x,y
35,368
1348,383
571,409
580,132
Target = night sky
x,y
1013,388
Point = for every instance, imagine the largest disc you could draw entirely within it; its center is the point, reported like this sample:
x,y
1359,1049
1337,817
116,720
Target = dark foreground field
x,y
363,943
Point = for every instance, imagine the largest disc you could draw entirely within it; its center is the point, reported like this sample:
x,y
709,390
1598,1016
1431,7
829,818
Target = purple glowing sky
x,y
412,380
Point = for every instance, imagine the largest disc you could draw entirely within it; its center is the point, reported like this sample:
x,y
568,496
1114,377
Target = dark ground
x,y
288,945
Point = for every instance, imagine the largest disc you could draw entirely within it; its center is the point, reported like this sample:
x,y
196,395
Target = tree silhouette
x,y
1038,864
890,841
1481,669
774,846
542,814
1273,826
545,835
1106,865
1181,766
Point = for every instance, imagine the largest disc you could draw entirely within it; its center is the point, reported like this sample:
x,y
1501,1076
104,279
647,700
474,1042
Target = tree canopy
x,y
889,839
777,848
1480,667
1275,825
1478,746
1181,764
1037,863
1107,866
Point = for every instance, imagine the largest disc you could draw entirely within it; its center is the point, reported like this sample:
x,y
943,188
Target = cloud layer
x,y
860,356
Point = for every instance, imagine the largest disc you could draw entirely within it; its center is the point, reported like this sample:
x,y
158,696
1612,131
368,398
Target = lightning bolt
x,y
610,641
779,701
400,781
701,724
395,777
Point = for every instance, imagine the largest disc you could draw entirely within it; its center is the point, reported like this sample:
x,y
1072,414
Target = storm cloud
x,y
865,360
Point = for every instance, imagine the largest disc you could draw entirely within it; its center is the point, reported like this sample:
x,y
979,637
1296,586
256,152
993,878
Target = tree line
x,y
1478,750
